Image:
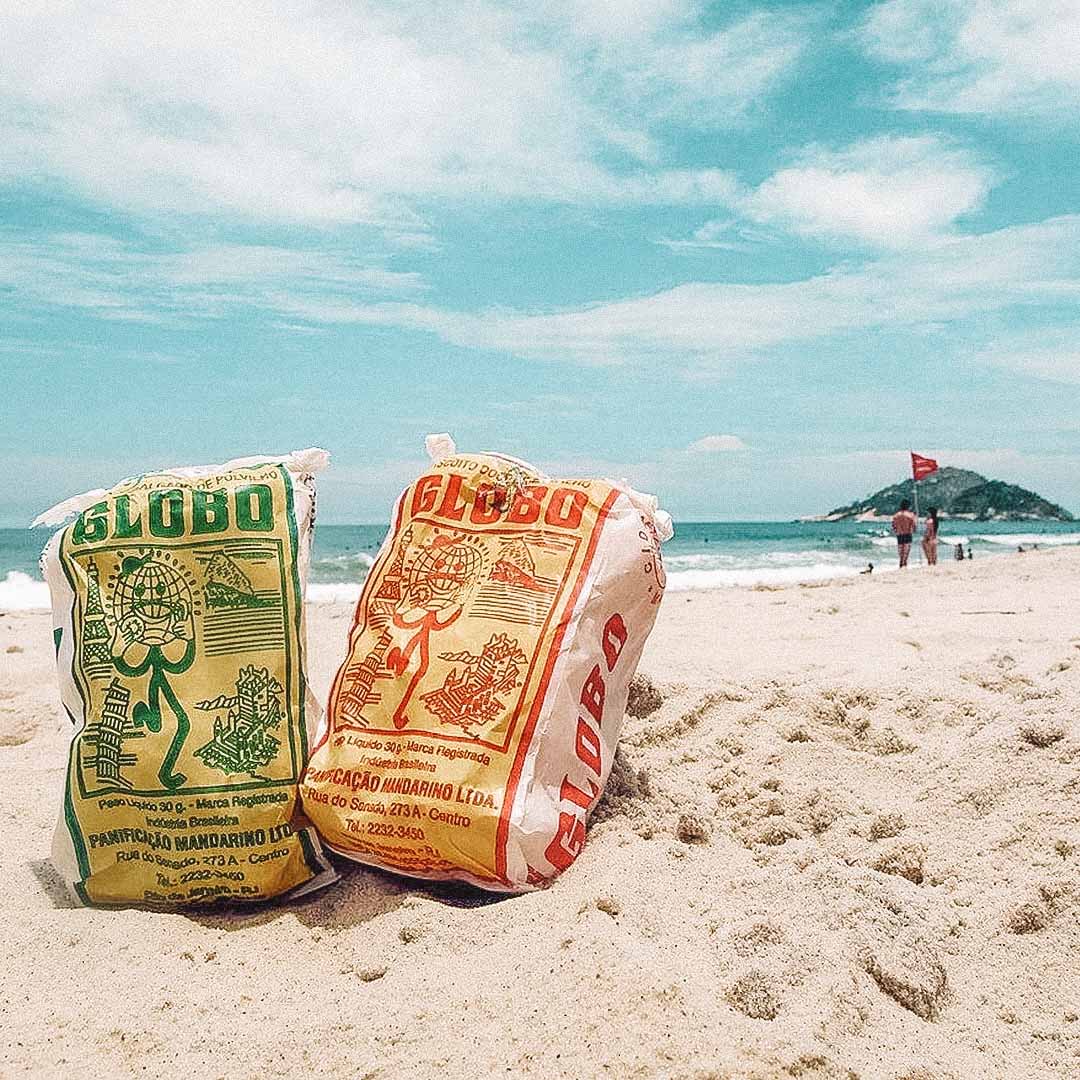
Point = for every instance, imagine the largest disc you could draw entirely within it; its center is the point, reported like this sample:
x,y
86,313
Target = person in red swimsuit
x,y
903,526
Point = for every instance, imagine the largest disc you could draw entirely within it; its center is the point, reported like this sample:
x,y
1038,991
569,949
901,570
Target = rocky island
x,y
957,493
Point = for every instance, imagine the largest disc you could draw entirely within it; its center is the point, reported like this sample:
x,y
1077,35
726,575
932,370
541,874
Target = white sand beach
x,y
842,840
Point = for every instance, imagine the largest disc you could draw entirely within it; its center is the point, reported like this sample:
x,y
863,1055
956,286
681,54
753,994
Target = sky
x,y
742,255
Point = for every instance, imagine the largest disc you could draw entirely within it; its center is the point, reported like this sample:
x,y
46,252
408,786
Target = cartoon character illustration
x,y
436,586
155,633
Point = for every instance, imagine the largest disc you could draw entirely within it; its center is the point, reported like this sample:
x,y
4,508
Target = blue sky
x,y
744,255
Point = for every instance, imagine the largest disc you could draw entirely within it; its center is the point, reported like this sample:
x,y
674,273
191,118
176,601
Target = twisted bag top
x,y
473,723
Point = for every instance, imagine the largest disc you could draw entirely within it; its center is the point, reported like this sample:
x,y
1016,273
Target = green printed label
x,y
187,654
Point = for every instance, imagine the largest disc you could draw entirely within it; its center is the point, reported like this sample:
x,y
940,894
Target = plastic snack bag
x,y
178,615
473,723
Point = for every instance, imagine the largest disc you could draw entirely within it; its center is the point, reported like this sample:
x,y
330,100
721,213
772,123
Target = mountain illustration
x,y
515,566
227,586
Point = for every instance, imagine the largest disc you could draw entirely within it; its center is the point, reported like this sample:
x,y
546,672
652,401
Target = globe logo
x,y
151,598
441,573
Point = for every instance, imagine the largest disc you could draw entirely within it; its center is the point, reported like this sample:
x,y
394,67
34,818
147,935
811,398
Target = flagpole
x,y
921,467
915,486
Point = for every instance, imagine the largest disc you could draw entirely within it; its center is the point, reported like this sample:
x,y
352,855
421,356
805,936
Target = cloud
x,y
717,444
980,56
665,68
890,192
1053,355
119,280
1057,365
223,264
958,280
363,112
564,406
723,235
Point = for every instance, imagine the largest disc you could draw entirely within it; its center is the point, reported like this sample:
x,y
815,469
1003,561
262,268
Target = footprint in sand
x,y
910,971
677,727
886,826
1053,897
757,937
1027,918
755,995
18,725
1042,735
627,795
644,697
903,860
693,829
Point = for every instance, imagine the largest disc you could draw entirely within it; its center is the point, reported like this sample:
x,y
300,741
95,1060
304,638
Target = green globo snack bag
x,y
178,619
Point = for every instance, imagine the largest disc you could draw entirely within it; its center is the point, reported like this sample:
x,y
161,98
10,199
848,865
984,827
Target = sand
x,y
842,839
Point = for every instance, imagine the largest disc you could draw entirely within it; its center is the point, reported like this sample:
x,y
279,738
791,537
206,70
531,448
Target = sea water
x,y
702,555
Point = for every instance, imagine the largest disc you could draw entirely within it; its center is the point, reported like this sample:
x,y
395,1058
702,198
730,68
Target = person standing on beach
x,y
929,537
903,526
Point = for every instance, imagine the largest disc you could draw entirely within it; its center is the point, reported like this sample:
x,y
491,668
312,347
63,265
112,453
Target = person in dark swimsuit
x,y
930,538
903,527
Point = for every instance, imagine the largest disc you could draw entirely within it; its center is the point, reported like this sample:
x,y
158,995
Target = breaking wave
x,y
344,592
337,577
21,592
1029,539
687,580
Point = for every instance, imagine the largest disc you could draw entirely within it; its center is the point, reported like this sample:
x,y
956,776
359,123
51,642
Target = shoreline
x,y
20,591
845,843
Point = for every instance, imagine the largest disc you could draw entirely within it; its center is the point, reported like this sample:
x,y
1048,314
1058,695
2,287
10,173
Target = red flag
x,y
922,467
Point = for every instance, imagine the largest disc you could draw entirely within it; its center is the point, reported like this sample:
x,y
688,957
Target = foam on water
x,y
943,538
690,580
21,592
702,556
349,558
1028,539
1002,539
722,561
321,592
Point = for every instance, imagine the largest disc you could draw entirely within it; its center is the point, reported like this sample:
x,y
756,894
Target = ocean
x,y
701,555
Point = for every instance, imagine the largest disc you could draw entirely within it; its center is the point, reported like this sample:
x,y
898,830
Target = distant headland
x,y
957,493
